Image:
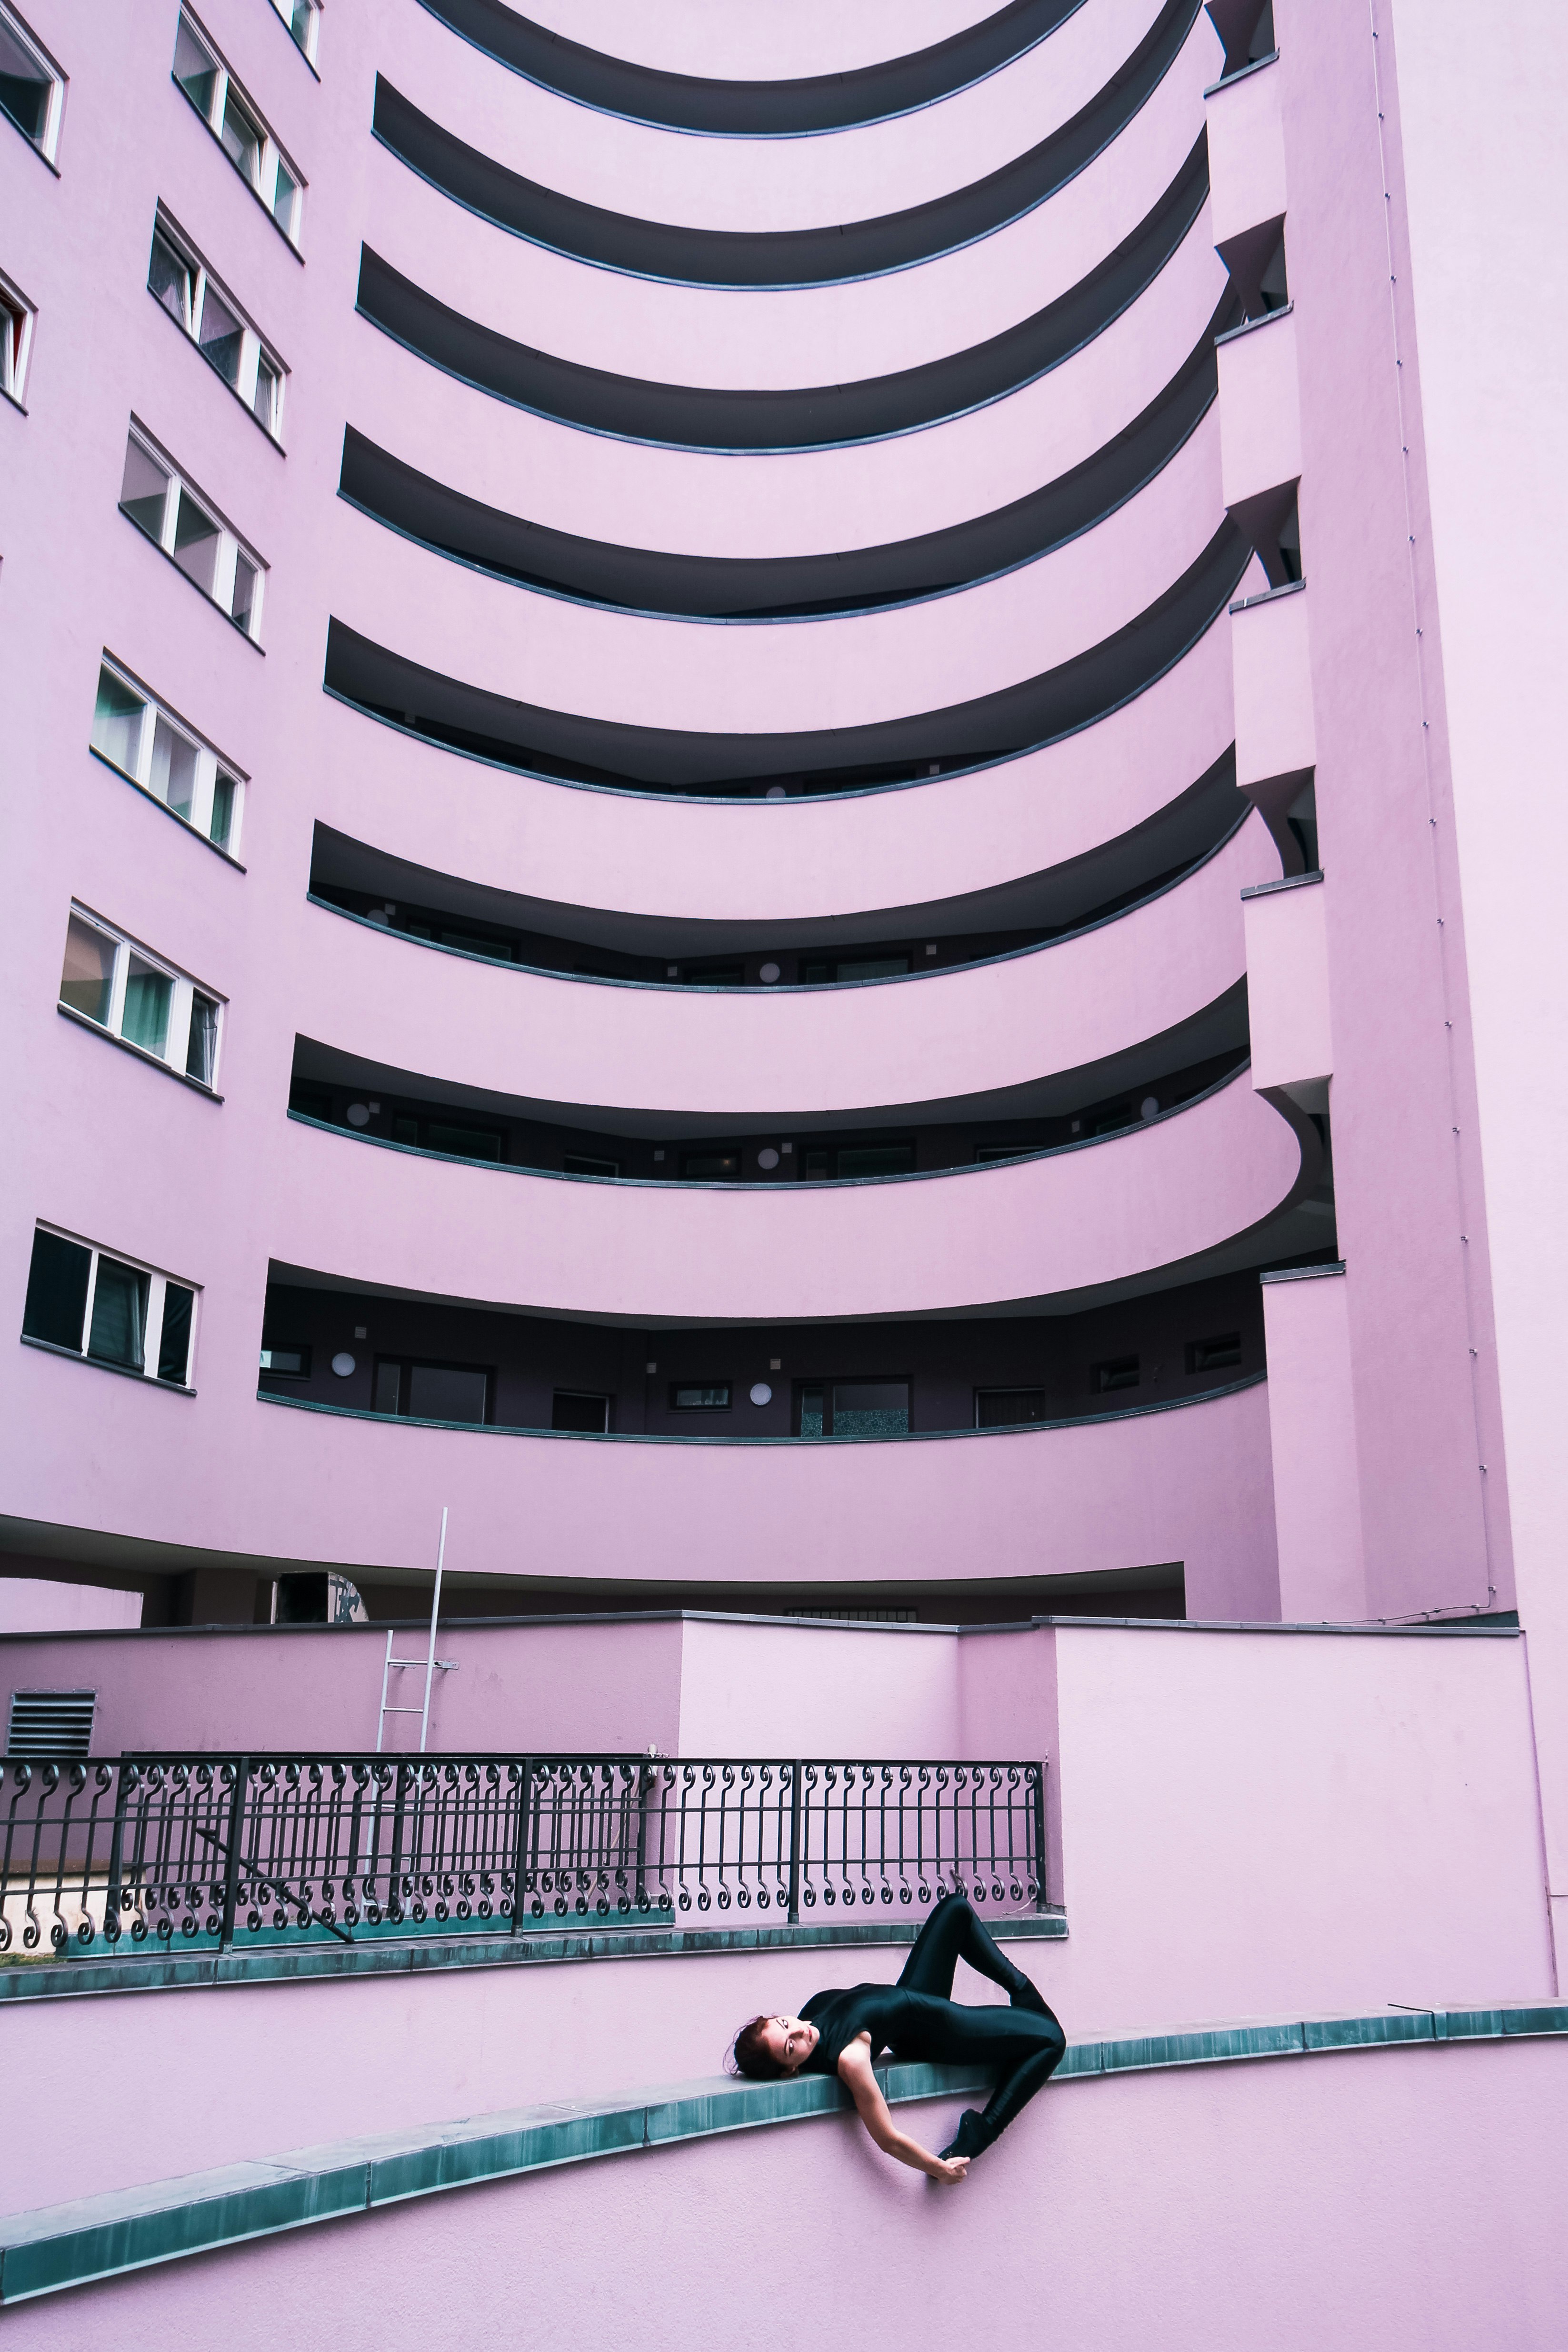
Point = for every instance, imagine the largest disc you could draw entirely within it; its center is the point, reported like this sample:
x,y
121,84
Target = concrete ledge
x,y
61,2246
291,1963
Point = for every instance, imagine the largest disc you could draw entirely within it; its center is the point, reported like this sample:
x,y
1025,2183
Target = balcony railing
x,y
135,1853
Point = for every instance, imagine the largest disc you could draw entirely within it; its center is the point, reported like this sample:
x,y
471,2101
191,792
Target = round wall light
x,y
761,1393
343,1364
1149,1108
768,1158
768,973
358,1114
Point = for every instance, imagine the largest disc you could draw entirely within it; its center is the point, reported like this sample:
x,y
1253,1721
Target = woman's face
x,y
790,2039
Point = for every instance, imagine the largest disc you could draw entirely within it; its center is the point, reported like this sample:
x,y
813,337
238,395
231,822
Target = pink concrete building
x,y
781,780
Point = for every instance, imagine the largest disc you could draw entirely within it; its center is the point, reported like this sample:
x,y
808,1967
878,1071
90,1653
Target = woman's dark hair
x,y
752,2055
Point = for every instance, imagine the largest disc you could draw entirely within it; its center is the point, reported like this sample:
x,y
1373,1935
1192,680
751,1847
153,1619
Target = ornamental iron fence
x,y
219,1853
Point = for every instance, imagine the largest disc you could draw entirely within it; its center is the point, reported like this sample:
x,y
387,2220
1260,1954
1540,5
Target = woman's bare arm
x,y
855,2072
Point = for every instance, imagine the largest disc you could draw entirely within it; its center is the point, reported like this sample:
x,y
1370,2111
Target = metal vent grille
x,y
51,1723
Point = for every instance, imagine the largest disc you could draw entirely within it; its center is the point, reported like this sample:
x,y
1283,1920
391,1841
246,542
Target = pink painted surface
x,y
1311,1423
1247,153
33,1604
1336,1823
1259,410
1481,147
967,1030
717,43
1288,987
753,183
1271,657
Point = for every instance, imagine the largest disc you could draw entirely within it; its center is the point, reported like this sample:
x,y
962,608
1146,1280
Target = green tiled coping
x,y
69,2245
288,1964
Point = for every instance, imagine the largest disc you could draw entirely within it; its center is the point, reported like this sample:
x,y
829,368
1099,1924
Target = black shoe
x,y
970,2139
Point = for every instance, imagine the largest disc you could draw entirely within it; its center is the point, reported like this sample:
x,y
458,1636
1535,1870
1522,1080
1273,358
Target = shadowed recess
x,y
701,416
813,256
757,110
571,748
648,580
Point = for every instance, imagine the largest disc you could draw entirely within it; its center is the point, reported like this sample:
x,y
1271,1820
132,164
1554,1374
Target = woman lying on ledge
x,y
842,2032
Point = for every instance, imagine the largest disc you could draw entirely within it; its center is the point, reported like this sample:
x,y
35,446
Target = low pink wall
x,y
1407,2199
32,1604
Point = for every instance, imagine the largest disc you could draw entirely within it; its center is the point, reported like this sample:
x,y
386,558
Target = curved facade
x,y
688,690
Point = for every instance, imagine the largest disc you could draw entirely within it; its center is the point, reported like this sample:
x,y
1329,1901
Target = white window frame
x,y
211,763
288,10
253,345
47,144
16,350
231,546
158,1284
272,156
184,991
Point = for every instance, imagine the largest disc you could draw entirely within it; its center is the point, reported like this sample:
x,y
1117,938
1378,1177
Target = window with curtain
x,y
165,761
89,1302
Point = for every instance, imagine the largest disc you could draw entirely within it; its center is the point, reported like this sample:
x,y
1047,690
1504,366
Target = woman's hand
x,y
855,2073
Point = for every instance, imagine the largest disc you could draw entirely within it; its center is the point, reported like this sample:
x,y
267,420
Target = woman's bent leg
x,y
1026,2069
953,1933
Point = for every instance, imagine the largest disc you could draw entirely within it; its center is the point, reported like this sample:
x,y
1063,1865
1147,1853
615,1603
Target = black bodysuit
x,y
918,2018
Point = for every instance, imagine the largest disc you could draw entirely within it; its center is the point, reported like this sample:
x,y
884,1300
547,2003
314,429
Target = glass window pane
x,y
24,88
862,1159
811,1412
196,542
195,70
265,400
242,138
202,1053
222,336
463,1142
174,773
871,1408
243,606
589,1415
57,1291
175,1342
119,1315
117,722
11,323
447,1393
292,1363
223,819
145,1021
285,201
143,489
389,1384
701,1396
172,279
87,982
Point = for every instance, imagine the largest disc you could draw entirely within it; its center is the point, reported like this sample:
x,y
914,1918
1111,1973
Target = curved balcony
x,y
818,75
777,501
1063,1225
758,184
977,1032
881,236
784,338
960,842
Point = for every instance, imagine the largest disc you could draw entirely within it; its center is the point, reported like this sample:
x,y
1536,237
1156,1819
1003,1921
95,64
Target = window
x,y
700,1396
984,1153
108,981
109,1309
16,315
180,521
1009,1408
572,1409
155,752
45,1724
446,1136
302,18
854,1408
31,88
578,1163
427,1392
287,1361
858,1161
890,967
1213,1355
710,1167
716,975
214,321
239,130
1116,1372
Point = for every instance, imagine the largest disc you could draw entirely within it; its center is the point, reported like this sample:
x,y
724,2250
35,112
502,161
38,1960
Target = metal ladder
x,y
433,1664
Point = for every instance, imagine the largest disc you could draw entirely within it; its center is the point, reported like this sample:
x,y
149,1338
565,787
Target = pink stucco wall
x,y
1406,2196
